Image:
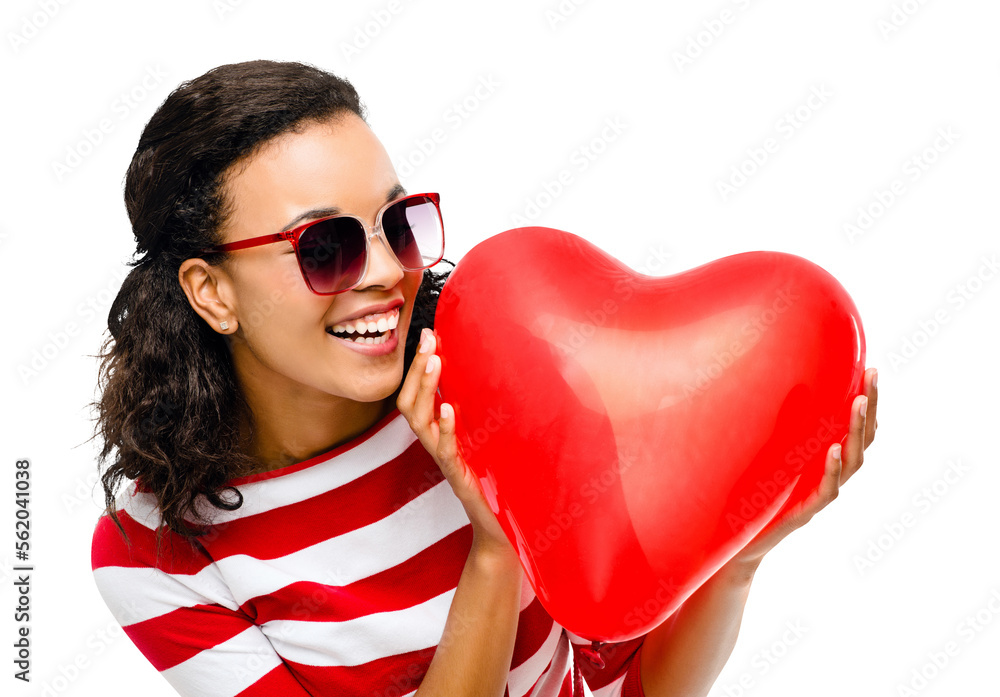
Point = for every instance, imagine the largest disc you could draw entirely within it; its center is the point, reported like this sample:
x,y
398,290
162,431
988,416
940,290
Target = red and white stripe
x,y
335,577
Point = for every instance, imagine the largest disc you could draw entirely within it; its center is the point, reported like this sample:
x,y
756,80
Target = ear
x,y
209,290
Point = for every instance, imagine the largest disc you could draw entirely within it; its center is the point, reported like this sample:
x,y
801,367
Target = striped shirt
x,y
335,577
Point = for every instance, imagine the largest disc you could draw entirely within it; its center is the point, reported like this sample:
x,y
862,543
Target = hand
x,y
842,461
437,434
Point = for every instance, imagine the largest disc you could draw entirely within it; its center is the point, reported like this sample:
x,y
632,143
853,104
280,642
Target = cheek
x,y
268,316
268,266
412,284
284,336
413,280
281,274
273,300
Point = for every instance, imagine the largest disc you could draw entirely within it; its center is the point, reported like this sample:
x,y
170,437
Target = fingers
x,y
828,489
416,397
854,448
829,486
842,461
417,401
423,405
861,431
447,447
871,380
801,513
411,382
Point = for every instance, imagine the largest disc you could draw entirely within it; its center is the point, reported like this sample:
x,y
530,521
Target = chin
x,y
381,386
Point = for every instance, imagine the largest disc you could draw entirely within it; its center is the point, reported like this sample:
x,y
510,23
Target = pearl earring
x,y
223,326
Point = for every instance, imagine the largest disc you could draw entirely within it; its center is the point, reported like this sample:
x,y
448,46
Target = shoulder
x,y
136,543
135,555
134,566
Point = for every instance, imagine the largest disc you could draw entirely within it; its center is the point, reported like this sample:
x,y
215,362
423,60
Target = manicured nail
x,y
875,379
430,364
863,408
836,451
446,412
425,340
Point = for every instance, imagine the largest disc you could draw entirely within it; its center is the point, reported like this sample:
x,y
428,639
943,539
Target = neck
x,y
284,437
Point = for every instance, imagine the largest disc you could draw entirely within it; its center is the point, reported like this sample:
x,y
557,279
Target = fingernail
x,y
430,364
836,451
863,407
875,379
424,343
446,412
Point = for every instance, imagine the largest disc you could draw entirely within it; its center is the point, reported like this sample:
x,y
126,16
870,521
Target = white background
x,y
650,197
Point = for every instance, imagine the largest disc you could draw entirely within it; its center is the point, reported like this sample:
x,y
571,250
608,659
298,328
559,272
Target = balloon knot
x,y
592,654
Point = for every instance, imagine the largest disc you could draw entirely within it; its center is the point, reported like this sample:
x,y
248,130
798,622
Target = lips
x,y
372,310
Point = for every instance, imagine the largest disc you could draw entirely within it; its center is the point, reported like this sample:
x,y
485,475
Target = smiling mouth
x,y
366,338
367,330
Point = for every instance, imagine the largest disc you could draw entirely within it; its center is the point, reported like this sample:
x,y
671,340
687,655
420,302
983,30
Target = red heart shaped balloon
x,y
633,433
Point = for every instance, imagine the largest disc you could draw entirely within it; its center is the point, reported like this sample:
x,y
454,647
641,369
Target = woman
x,y
299,521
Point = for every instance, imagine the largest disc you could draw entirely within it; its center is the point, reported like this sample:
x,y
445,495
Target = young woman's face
x,y
282,337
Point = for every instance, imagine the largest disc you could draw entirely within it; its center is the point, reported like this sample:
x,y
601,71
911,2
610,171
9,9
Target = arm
x,y
474,655
684,656
689,648
179,613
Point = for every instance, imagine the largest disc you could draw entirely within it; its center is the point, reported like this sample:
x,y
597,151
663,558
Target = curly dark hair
x,y
169,404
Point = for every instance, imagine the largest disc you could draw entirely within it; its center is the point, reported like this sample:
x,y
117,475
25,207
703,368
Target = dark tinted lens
x,y
413,228
332,254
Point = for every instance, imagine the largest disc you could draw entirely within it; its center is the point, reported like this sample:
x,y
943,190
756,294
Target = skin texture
x,y
310,394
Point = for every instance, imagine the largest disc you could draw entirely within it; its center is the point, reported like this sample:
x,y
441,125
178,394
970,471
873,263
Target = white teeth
x,y
381,339
371,324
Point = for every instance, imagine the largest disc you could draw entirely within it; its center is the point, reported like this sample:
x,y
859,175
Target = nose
x,y
383,269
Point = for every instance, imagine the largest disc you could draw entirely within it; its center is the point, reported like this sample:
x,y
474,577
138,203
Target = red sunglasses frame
x,y
295,233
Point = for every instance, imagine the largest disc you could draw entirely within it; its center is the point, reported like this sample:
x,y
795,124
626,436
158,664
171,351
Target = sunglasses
x,y
333,252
